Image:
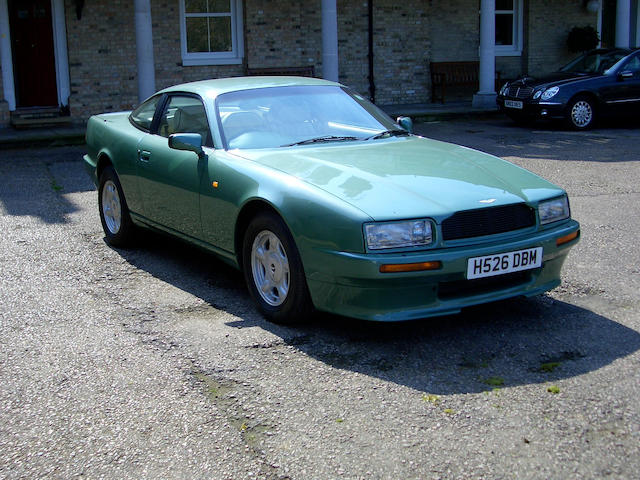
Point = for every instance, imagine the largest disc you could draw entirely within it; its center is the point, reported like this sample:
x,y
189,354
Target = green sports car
x,y
324,202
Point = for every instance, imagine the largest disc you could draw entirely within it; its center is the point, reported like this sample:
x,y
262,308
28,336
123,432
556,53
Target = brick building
x,y
78,57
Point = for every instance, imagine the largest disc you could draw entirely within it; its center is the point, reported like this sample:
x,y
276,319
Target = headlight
x,y
503,90
553,210
411,233
550,92
537,94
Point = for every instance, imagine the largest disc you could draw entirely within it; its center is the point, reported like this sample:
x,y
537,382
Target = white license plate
x,y
513,104
491,265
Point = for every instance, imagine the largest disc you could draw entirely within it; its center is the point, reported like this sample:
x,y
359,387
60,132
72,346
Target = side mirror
x,y
625,75
406,123
190,142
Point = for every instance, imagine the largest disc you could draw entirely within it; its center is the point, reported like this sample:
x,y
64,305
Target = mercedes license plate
x,y
513,104
509,262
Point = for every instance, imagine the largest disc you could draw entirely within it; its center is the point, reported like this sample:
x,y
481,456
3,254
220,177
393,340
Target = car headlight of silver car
x,y
537,94
550,93
503,90
554,210
411,233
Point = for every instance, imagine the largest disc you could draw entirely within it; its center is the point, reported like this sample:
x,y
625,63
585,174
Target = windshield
x,y
594,62
284,116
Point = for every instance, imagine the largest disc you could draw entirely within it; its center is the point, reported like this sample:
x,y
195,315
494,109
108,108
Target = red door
x,y
34,66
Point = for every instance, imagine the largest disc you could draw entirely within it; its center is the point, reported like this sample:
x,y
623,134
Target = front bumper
x,y
533,109
352,285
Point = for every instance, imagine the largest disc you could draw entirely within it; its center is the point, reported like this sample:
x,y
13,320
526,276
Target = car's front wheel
x,y
581,113
114,214
273,271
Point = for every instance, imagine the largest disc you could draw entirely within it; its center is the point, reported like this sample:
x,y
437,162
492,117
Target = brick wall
x,y
548,33
277,33
455,30
102,57
102,54
402,44
353,45
281,33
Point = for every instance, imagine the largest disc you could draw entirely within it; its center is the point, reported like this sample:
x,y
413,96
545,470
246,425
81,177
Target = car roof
x,y
213,88
626,51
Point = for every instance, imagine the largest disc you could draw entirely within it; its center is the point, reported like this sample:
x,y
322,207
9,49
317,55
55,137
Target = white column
x,y
623,22
329,40
7,59
638,26
144,49
486,96
62,57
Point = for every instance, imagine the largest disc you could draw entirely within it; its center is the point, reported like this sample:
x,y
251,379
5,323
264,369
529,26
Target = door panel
x,y
33,53
622,94
169,182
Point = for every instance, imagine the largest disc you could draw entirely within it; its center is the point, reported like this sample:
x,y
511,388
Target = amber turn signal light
x,y
410,267
567,238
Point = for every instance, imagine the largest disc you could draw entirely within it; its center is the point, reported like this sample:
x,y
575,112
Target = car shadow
x,y
521,341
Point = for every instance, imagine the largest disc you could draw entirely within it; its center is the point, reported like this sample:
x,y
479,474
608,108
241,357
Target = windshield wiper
x,y
325,138
390,133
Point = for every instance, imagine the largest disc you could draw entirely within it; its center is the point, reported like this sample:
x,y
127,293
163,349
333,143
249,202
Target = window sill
x,y
507,52
192,62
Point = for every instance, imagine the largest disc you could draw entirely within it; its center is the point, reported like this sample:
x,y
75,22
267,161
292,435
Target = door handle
x,y
144,155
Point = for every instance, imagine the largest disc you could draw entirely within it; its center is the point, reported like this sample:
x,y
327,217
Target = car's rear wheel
x,y
581,113
273,271
114,213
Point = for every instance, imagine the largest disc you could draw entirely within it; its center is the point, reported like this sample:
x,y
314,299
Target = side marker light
x,y
567,238
410,267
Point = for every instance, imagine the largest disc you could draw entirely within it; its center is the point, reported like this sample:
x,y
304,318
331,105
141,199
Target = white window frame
x,y
514,49
234,57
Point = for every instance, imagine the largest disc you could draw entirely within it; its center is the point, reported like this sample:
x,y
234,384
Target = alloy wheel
x,y
111,208
581,113
270,268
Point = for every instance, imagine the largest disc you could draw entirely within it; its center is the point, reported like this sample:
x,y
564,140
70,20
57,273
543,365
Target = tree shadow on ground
x,y
37,180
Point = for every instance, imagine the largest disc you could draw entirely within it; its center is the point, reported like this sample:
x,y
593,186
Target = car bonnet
x,y
407,177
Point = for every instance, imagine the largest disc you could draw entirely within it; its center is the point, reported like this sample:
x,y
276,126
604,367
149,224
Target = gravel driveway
x,y
152,362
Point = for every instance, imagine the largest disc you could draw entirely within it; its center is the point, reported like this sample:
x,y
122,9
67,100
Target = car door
x,y
169,179
622,95
629,79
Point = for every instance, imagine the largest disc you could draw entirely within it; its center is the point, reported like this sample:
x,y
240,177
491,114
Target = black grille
x,y
519,92
488,221
477,286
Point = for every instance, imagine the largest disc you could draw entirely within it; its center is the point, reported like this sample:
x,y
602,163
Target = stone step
x,y
39,118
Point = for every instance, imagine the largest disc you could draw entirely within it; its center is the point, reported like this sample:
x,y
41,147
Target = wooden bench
x,y
307,71
454,74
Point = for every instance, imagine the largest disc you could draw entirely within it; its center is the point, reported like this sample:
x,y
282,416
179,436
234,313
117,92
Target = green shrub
x,y
582,39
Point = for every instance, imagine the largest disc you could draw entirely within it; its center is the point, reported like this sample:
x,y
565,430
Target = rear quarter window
x,y
142,117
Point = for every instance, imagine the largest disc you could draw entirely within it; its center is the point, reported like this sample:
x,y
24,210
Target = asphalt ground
x,y
152,362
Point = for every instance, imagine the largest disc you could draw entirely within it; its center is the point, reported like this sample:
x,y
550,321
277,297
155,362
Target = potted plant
x,y
581,39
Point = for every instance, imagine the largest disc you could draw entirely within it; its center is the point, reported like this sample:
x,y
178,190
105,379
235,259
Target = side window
x,y
633,65
185,114
142,117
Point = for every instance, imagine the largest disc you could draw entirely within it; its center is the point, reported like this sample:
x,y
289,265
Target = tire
x,y
114,213
581,113
273,271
